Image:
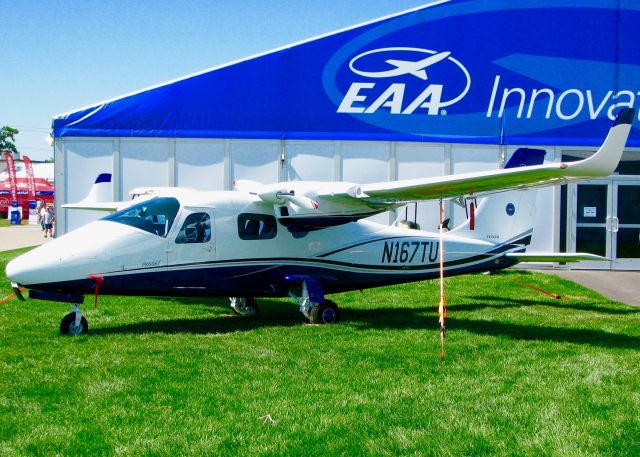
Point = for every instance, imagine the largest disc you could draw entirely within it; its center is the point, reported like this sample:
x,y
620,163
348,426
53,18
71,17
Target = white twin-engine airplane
x,y
303,239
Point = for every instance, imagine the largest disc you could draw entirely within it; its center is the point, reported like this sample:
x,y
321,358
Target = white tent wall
x,y
256,160
200,162
422,160
78,161
143,162
213,164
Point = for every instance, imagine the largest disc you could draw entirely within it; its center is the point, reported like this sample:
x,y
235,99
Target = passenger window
x,y
256,226
196,229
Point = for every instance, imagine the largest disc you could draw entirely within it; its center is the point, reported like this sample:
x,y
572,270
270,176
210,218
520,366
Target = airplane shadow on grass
x,y
481,301
283,314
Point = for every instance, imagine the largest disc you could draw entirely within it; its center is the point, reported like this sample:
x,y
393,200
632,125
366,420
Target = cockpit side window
x,y
154,216
256,226
196,229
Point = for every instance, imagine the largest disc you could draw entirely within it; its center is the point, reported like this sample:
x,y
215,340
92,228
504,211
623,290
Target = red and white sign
x,y
13,187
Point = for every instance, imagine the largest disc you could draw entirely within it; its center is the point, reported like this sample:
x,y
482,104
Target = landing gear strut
x,y
244,306
314,306
74,323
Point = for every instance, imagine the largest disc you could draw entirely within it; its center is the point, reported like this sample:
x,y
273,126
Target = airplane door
x,y
195,240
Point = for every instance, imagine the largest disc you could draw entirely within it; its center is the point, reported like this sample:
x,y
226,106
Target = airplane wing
x,y
304,205
601,164
554,256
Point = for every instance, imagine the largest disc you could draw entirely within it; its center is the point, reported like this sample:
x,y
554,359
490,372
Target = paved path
x,y
622,286
21,236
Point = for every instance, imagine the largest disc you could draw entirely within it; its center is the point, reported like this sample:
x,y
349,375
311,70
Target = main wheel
x,y
325,313
244,306
68,325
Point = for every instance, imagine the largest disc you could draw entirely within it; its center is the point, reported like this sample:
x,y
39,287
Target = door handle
x,y
615,224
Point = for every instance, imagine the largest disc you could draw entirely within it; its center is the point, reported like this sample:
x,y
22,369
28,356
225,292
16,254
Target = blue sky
x,y
61,55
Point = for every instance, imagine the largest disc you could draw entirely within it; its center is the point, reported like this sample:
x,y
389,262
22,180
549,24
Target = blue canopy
x,y
539,72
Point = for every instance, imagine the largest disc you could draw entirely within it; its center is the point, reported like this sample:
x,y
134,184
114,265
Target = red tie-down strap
x,y
99,280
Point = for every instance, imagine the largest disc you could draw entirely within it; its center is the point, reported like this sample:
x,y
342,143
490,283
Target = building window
x,y
256,226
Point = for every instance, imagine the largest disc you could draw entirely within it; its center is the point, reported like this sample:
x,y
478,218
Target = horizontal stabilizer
x,y
554,256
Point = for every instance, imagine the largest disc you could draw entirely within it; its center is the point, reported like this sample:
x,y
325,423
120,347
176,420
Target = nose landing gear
x,y
74,323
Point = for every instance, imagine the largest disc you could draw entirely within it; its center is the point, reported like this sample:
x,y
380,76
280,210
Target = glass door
x,y
626,225
605,220
591,213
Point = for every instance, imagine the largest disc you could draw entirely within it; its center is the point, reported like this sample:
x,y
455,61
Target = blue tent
x,y
545,72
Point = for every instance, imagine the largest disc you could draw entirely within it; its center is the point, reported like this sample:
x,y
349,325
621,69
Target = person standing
x,y
48,222
42,209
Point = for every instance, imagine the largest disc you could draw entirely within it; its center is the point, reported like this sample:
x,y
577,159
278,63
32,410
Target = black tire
x,y
250,302
68,325
325,313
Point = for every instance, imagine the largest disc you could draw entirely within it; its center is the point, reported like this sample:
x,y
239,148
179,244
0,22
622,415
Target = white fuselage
x,y
230,244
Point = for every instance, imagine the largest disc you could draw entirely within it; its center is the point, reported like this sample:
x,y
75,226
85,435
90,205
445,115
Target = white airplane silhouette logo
x,y
402,67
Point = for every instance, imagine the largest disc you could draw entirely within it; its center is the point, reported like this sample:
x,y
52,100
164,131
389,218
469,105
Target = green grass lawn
x,y
524,374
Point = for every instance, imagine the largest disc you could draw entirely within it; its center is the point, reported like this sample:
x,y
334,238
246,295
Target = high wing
x,y
307,205
601,164
304,205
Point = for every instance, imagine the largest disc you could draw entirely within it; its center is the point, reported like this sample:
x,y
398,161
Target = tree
x,y
7,139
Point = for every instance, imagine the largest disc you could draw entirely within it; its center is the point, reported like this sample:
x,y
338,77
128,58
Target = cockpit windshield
x,y
154,216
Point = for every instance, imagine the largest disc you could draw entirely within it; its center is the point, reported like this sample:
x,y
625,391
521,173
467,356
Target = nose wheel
x,y
74,323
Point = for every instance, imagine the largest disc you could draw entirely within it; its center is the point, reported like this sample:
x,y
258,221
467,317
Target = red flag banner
x,y
31,183
11,169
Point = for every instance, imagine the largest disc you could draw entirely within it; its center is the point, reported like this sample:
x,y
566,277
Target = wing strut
x,y
442,306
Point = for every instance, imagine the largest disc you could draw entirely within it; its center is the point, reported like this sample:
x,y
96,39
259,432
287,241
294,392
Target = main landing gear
x,y
313,305
74,323
244,306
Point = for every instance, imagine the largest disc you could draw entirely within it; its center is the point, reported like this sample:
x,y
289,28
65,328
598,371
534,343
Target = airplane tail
x,y
505,216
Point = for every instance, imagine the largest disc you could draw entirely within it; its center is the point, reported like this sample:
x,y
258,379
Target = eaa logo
x,y
421,79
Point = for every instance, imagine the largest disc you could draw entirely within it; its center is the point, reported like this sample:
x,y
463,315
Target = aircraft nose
x,y
24,270
17,271
52,262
